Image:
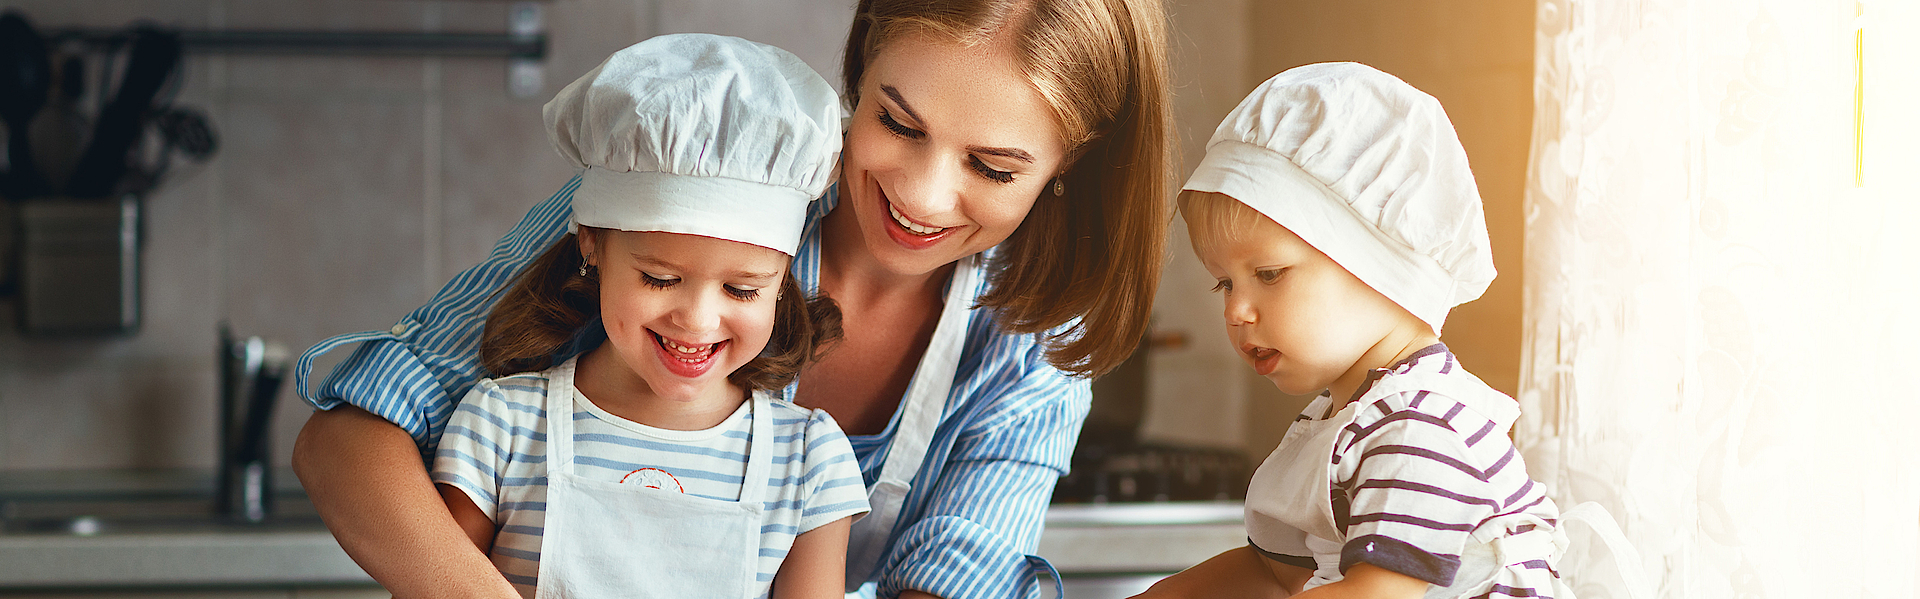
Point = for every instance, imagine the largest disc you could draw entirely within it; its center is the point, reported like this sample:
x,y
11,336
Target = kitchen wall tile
x,y
814,30
75,408
323,223
352,15
496,164
112,13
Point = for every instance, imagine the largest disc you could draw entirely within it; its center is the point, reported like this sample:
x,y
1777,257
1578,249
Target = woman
x,y
1036,129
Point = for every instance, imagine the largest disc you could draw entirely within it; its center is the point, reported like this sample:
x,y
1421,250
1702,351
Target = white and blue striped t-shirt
x,y
494,450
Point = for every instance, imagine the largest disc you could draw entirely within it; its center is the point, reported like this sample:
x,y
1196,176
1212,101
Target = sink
x,y
113,502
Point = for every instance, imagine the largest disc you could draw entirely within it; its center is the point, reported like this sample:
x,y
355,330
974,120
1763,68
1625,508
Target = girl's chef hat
x,y
699,134
1368,170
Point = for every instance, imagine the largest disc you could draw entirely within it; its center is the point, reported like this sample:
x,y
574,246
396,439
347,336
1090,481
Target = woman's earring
x,y
1059,189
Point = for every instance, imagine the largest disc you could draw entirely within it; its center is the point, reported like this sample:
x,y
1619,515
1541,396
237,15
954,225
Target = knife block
x,y
79,266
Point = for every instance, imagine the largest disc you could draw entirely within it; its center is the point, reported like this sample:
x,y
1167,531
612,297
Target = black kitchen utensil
x,y
151,60
23,90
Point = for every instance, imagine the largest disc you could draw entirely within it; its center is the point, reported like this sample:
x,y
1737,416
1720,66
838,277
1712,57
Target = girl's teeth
x,y
909,225
683,349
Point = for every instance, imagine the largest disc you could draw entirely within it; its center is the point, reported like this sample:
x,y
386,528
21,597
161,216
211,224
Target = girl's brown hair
x,y
550,303
1096,252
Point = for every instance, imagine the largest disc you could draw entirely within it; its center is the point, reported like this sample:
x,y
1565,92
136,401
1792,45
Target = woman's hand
x,y
365,478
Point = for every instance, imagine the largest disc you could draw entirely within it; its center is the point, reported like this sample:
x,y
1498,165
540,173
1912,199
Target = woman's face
x,y
947,151
684,311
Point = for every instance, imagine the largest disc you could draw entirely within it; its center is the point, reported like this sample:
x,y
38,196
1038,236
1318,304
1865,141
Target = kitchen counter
x,y
1090,545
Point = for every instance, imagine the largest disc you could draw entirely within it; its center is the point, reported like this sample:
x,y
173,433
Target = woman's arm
x,y
982,519
816,566
365,477
1240,572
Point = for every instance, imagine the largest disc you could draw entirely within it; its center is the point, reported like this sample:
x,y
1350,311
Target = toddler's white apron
x,y
606,539
1290,494
920,413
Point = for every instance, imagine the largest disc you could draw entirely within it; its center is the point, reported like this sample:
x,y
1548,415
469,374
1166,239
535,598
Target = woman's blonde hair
x,y
1096,252
550,303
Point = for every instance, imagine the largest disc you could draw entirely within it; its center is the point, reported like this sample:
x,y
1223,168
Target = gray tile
x,y
113,13
323,216
496,165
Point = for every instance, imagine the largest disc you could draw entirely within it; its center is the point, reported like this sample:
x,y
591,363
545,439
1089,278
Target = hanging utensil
x,y
23,90
151,60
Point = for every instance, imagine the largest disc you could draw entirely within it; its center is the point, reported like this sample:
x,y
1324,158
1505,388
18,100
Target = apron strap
x,y
753,484
1626,559
932,382
560,392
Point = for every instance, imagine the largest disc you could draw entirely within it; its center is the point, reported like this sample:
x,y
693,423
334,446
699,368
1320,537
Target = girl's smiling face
x,y
947,151
684,311
1296,316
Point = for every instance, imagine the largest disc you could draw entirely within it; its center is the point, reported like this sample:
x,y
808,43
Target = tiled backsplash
x,y
348,189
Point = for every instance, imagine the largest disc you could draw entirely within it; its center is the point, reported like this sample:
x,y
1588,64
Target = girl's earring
x,y
583,268
1059,189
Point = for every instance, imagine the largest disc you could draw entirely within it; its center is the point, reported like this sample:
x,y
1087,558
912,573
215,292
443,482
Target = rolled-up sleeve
x,y
981,527
414,373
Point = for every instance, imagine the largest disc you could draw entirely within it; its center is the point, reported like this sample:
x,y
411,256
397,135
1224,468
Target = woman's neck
x,y
606,380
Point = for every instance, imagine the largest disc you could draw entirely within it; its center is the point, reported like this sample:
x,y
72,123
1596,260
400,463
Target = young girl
x,y
1336,211
656,465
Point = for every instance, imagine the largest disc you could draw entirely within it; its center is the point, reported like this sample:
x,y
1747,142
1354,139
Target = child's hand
x,y
1236,573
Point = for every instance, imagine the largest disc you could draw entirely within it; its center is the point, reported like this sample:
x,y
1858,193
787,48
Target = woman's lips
x,y
687,360
904,236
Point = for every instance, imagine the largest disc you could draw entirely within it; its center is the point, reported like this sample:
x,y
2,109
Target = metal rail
x,y
352,43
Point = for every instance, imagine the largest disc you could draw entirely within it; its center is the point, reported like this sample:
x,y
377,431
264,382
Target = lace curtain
x,y
1723,272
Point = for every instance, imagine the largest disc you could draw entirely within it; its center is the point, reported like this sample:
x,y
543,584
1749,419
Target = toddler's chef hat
x,y
699,134
1368,170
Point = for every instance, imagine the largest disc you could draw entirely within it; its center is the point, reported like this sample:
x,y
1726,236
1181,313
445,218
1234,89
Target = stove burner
x,y
1153,473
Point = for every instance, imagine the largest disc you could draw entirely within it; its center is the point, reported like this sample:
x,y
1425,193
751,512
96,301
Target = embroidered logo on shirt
x,y
653,478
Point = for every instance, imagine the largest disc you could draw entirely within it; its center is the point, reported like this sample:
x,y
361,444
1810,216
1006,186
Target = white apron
x,y
606,539
920,413
1289,506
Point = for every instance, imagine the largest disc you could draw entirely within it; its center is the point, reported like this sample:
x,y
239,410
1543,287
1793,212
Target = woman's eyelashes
x,y
886,120
974,162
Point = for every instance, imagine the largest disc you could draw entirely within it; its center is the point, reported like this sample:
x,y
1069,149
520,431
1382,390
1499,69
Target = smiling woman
x,y
993,241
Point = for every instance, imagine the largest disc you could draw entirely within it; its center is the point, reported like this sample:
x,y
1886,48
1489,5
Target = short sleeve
x,y
1417,488
479,443
832,481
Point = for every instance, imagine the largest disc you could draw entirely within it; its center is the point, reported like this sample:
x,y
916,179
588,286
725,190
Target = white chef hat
x,y
699,134
1368,170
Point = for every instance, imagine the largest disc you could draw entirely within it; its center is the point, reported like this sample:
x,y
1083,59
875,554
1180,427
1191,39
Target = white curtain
x,y
1722,279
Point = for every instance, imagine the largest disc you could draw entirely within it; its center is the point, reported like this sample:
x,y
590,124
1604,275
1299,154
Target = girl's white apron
x,y
1289,506
605,539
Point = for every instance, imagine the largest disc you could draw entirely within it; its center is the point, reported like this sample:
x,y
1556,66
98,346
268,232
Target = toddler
x,y
1337,214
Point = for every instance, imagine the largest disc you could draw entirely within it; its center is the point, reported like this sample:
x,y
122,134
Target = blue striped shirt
x,y
967,529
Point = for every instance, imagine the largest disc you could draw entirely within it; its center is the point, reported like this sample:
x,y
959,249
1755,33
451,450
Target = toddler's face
x,y
1293,314
685,311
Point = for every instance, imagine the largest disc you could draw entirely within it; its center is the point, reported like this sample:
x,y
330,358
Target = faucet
x,y
250,375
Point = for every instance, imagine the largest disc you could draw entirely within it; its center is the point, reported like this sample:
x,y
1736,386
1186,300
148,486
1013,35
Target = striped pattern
x,y
969,527
494,449
1417,472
